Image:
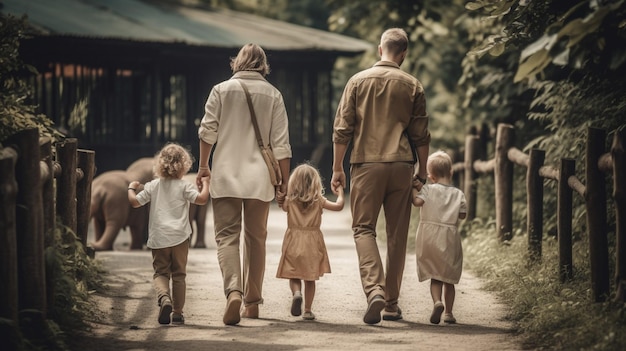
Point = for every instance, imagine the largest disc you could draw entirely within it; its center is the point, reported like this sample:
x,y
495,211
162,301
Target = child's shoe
x,y
165,310
178,318
449,318
308,316
296,304
435,317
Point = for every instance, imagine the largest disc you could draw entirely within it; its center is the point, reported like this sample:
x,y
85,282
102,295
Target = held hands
x,y
338,181
134,184
203,173
280,197
337,190
418,182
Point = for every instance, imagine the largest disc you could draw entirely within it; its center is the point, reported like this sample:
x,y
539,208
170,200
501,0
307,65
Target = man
x,y
381,108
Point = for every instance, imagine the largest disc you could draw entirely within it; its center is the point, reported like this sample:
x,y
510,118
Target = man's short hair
x,y
394,41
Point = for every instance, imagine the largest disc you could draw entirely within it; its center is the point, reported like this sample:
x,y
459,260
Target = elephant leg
x,y
200,226
139,227
105,243
98,228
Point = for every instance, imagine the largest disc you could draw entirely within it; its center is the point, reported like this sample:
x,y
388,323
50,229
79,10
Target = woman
x,y
239,176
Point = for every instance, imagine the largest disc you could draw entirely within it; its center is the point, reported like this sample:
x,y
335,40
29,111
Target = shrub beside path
x,y
128,311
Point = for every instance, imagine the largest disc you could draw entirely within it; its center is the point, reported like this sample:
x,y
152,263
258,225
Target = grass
x,y
548,314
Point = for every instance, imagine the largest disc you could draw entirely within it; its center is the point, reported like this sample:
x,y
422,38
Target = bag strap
x,y
252,114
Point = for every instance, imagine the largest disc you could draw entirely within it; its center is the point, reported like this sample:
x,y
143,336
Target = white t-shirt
x,y
169,211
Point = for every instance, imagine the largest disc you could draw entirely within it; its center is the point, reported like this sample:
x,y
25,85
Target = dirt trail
x,y
129,312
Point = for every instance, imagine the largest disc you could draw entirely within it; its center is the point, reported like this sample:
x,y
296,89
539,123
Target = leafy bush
x,y
16,114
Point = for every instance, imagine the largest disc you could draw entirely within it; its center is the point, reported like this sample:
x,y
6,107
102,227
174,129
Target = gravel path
x,y
128,319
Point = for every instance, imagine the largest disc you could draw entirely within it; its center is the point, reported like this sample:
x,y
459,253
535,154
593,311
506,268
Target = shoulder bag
x,y
276,176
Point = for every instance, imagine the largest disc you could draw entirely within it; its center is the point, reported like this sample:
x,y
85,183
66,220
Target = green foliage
x,y
437,47
548,314
76,276
16,113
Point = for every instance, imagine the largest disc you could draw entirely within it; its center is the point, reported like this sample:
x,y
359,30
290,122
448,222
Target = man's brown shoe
x,y
374,307
233,305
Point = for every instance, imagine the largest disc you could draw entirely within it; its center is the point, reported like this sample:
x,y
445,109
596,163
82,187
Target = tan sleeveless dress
x,y
304,254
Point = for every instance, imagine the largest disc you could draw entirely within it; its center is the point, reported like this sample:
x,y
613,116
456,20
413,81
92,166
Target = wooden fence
x,y
597,164
39,182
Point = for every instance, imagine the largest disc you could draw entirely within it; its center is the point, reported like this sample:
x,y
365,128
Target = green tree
x,y
16,113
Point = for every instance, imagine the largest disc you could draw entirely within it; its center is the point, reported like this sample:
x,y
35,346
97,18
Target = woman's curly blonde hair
x,y
172,162
305,185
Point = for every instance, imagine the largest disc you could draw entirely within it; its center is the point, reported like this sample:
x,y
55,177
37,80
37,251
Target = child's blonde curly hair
x,y
305,185
172,162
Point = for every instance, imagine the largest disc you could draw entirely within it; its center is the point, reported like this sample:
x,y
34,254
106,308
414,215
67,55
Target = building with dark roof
x,y
126,76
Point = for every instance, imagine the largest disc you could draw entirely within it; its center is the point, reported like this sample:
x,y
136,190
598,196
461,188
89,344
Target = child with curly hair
x,y
304,255
169,230
438,244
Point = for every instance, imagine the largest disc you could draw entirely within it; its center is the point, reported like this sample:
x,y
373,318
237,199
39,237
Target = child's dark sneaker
x,y
165,310
296,304
435,317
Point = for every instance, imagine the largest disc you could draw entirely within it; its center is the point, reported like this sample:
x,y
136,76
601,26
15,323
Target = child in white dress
x,y
304,255
437,243
169,230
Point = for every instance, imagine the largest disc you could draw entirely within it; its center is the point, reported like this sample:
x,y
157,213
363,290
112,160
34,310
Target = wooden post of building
x,y
618,152
66,184
504,181
564,218
47,183
86,163
471,144
31,278
595,203
534,188
8,239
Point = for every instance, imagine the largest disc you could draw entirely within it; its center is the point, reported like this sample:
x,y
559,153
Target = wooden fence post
x,y
471,150
47,182
30,250
504,181
8,238
66,184
564,218
534,188
618,152
595,203
86,163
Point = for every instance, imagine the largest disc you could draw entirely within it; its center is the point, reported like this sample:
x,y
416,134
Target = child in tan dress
x,y
304,255
437,244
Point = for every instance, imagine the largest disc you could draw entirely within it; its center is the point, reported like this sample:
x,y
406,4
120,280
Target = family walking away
x,y
437,243
169,230
382,112
240,181
304,255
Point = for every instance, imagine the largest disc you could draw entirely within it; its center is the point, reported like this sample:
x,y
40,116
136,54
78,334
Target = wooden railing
x,y
597,164
39,183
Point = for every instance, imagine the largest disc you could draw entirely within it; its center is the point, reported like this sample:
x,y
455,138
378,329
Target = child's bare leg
x,y
309,294
295,285
449,292
436,286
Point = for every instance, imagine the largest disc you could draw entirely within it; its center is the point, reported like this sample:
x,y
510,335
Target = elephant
x,y
111,210
197,213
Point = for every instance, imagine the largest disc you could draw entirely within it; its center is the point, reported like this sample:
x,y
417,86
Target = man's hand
x,y
204,172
